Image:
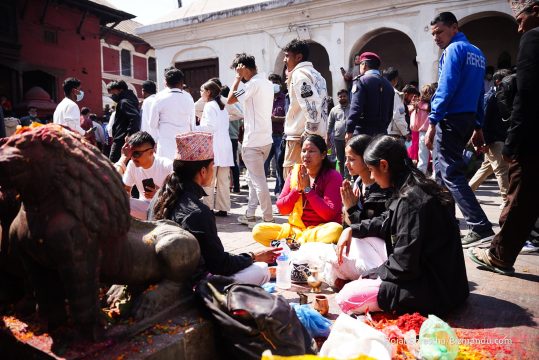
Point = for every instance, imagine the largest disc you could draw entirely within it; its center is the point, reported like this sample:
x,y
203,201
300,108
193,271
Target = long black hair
x,y
215,92
320,143
403,174
359,143
184,172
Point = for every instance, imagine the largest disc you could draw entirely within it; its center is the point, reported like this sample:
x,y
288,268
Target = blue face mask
x,y
80,96
276,88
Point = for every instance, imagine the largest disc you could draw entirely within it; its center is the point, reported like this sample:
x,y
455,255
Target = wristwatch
x,y
307,189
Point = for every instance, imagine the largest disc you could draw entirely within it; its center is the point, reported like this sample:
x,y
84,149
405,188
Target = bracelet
x,y
252,254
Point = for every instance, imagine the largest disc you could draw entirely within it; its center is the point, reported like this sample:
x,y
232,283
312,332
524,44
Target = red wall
x,y
77,55
111,61
140,67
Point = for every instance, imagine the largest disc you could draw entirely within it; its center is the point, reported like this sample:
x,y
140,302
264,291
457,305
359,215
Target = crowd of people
x,y
387,211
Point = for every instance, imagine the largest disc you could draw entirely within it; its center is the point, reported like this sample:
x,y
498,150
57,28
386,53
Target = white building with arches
x,y
203,37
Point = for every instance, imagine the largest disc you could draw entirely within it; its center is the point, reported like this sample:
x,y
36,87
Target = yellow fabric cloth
x,y
328,233
294,218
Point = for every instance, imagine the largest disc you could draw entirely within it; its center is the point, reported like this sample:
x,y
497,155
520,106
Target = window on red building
x,y
8,21
152,69
126,62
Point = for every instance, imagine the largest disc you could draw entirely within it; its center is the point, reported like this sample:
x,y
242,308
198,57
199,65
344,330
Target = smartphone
x,y
148,184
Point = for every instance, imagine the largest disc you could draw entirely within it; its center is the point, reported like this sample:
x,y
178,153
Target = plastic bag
x,y
316,324
269,287
437,340
314,254
351,338
267,355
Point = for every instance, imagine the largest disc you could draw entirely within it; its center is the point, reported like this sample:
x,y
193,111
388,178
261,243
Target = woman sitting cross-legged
x,y
179,201
425,269
311,197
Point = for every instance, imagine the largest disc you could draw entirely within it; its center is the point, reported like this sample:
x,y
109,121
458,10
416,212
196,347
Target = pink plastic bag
x,y
359,296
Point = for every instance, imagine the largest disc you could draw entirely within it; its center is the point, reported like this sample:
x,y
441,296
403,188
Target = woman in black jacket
x,y
365,199
425,269
179,200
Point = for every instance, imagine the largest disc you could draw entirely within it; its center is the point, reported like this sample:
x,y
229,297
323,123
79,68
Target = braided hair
x,y
183,172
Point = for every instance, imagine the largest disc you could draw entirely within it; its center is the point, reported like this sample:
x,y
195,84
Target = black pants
x,y
340,145
519,215
235,169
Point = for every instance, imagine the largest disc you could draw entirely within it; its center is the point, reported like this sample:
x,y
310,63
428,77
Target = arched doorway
x,y
198,64
39,78
495,34
320,59
395,49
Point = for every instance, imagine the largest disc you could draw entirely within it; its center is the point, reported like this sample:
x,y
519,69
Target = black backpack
x,y
249,320
505,95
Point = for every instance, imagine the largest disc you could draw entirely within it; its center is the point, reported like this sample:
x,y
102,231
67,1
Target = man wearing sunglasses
x,y
141,167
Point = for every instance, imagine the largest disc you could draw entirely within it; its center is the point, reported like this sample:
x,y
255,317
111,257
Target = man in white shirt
x,y
308,110
67,112
257,99
146,171
172,113
148,93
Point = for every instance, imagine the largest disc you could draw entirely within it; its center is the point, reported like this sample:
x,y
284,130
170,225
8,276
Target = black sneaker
x,y
473,239
220,213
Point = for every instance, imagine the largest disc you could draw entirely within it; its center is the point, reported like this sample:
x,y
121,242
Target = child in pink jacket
x,y
419,121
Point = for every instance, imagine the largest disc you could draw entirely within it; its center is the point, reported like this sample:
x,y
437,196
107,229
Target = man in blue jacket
x,y
371,106
456,115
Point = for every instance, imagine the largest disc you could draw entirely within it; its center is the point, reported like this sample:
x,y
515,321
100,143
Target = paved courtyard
x,y
499,307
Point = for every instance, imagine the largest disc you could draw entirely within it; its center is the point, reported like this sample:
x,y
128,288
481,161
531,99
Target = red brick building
x,y
125,56
42,42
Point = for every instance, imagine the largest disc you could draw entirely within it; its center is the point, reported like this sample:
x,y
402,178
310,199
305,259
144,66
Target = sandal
x,y
482,258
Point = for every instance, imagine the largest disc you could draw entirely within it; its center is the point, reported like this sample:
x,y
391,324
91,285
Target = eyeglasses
x,y
137,154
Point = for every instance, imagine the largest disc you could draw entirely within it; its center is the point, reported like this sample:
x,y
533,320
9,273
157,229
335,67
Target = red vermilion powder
x,y
409,322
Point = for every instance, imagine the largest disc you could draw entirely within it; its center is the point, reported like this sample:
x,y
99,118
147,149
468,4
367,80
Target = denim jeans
x,y
452,135
275,151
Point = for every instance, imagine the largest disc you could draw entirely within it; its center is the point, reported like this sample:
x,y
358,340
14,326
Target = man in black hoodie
x,y
127,118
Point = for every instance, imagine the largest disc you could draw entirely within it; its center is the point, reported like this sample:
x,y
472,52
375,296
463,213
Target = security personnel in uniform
x,y
371,107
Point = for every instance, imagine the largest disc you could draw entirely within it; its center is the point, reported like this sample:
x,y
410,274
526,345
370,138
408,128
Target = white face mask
x,y
80,96
276,88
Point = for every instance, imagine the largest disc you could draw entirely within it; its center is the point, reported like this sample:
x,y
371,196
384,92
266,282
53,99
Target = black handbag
x,y
249,320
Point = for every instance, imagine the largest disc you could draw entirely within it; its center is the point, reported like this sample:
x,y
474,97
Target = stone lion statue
x,y
73,229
